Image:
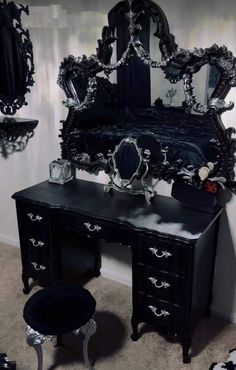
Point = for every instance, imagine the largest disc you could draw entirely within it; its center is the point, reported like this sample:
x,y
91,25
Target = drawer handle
x,y
34,218
164,253
92,228
38,267
163,284
36,244
163,312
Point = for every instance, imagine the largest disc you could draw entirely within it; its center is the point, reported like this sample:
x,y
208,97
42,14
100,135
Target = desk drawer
x,y
166,317
38,247
163,254
40,271
160,284
35,219
93,228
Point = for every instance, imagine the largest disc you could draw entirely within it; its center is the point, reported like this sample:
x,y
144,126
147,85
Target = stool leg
x,y
35,340
87,330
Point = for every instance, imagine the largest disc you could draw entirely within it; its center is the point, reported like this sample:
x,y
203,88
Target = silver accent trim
x,y
162,313
220,105
36,244
164,253
34,218
92,228
163,284
125,185
36,339
38,267
87,331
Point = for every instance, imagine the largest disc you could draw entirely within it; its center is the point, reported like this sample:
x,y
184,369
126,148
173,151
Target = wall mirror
x,y
16,58
177,95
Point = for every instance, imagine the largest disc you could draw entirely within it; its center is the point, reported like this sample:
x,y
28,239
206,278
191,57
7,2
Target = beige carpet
x,y
111,347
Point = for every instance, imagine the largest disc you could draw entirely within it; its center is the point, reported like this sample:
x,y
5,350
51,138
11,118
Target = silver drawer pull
x,y
38,267
163,254
163,284
34,218
92,228
163,312
36,244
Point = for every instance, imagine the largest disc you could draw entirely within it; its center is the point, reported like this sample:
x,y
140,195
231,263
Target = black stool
x,y
56,310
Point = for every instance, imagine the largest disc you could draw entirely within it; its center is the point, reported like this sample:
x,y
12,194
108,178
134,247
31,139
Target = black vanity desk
x,y
173,248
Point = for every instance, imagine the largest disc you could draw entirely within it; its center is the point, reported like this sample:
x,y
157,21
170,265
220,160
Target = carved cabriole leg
x,y
35,340
87,330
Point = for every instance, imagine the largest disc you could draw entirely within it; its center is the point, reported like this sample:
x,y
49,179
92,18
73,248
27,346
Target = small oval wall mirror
x,y
16,58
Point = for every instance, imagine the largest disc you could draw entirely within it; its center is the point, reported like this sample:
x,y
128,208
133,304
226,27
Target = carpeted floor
x,y
111,347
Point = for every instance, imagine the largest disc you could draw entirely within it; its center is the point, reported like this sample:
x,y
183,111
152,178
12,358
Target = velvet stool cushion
x,y
59,309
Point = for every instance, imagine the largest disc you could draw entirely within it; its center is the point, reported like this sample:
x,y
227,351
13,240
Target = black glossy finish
x,y
173,248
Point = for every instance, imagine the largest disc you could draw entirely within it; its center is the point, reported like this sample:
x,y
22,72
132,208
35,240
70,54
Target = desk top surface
x,y
164,214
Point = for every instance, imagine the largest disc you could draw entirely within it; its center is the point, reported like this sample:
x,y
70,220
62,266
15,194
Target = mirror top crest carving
x,y
85,90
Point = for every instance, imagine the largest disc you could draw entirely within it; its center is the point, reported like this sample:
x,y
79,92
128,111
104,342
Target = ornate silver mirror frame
x,y
119,157
122,184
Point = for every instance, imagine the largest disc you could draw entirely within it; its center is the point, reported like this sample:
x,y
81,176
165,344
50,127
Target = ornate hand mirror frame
x,y
16,56
177,64
127,163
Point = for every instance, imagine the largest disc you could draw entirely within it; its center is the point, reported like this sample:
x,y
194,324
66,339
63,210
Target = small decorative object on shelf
x,y
60,171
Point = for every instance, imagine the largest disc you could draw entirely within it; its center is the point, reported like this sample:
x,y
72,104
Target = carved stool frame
x,y
36,339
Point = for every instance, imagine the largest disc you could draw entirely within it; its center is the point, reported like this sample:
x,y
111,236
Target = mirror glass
x,y
127,160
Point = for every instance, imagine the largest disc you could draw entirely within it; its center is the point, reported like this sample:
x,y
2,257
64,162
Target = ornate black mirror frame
x,y
16,55
177,64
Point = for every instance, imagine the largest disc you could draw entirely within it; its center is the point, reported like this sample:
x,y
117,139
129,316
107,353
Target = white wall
x,y
59,28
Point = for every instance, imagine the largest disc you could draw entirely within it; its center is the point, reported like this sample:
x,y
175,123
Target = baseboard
x,y
11,241
116,276
231,317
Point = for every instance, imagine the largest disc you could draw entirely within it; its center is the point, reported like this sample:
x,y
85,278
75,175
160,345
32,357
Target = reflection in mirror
x,y
213,78
16,58
204,84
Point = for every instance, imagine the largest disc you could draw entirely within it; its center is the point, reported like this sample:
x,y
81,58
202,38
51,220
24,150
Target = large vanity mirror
x,y
177,95
16,58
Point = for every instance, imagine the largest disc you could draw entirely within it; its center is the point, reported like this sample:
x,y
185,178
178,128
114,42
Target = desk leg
x,y
25,281
134,324
98,263
186,344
